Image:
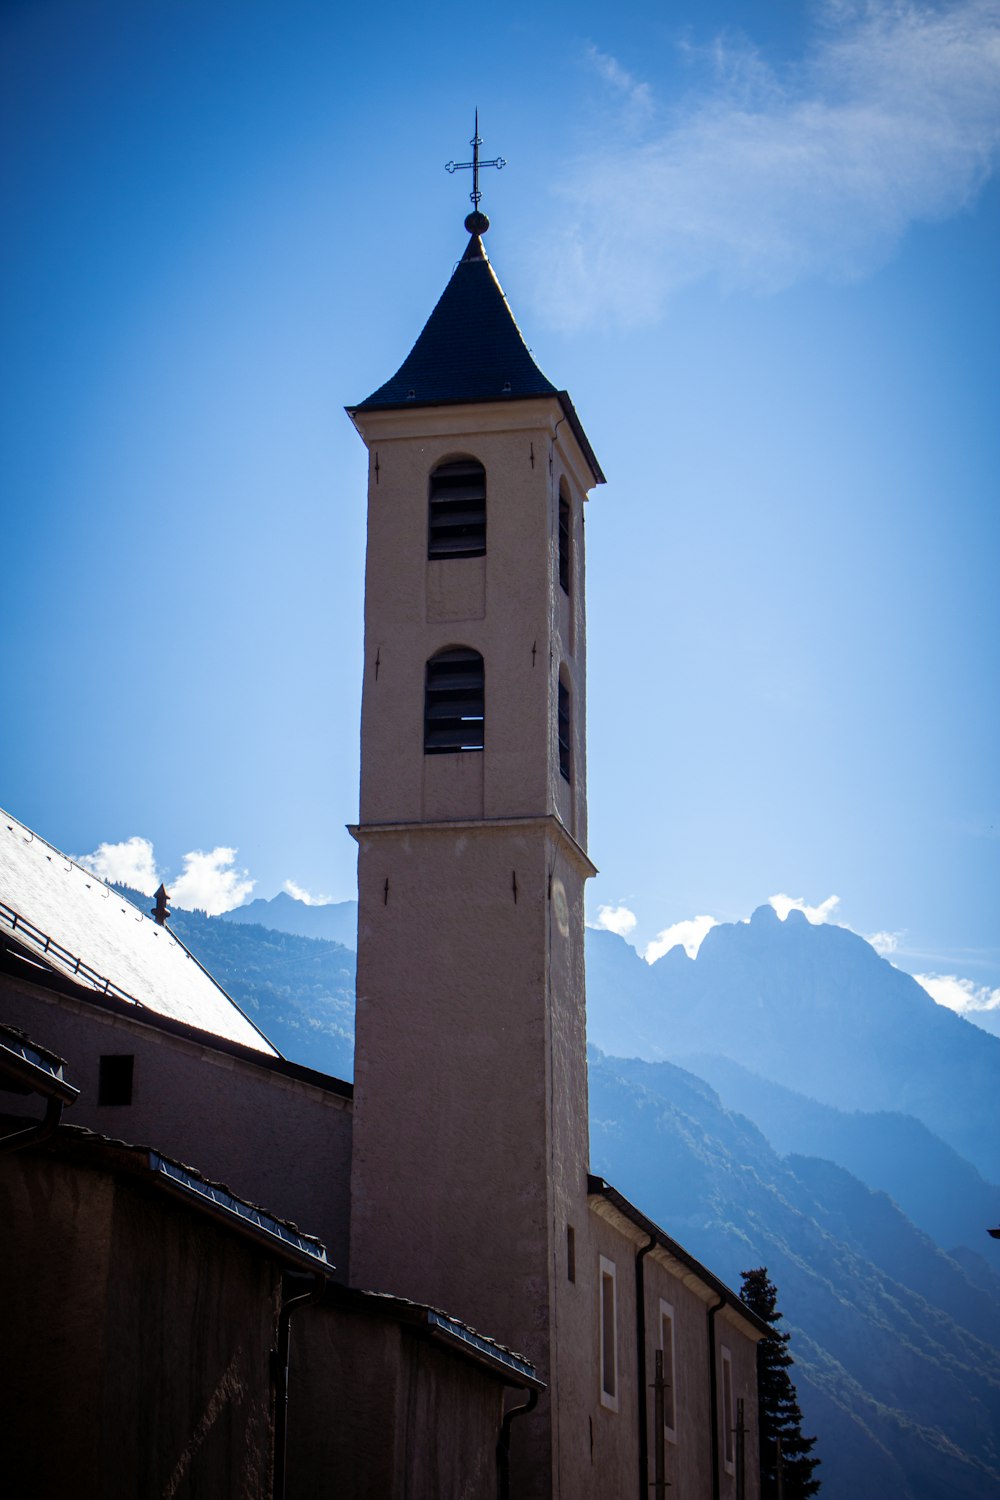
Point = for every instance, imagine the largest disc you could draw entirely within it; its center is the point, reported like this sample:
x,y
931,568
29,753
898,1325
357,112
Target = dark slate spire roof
x,y
471,349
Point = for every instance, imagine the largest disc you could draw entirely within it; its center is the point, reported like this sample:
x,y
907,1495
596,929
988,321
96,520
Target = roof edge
x,y
597,1187
563,397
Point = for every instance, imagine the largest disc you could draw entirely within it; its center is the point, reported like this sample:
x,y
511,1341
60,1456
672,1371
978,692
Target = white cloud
x,y
816,914
301,894
959,994
615,919
210,882
763,177
690,934
129,863
884,943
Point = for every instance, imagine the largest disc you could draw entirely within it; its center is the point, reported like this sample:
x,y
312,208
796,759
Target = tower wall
x,y
470,1103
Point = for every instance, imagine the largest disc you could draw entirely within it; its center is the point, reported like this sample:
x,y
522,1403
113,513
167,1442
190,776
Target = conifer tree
x,y
786,1468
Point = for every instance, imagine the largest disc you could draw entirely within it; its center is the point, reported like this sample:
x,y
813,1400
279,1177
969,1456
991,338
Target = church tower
x,y
470,1153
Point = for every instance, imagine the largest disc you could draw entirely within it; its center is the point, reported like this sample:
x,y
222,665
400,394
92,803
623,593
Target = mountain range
x,y
787,1099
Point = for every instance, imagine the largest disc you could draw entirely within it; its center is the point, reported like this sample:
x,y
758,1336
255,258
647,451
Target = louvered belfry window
x,y
454,702
564,731
457,515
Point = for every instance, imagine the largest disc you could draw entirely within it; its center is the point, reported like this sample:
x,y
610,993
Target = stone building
x,y
454,1174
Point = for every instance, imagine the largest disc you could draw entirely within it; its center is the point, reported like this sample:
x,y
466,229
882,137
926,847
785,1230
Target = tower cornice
x,y
547,823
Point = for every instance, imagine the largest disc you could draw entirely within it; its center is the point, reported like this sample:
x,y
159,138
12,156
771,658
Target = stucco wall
x,y
277,1141
137,1340
376,1410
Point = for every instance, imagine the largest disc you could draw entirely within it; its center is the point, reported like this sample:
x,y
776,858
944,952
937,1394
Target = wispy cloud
x,y
963,995
210,882
615,919
306,897
631,92
690,934
765,176
129,863
815,914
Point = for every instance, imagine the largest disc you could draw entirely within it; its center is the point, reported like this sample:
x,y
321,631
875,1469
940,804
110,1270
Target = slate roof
x,y
470,350
76,924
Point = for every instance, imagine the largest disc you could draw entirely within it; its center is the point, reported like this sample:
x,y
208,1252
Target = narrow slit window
x,y
564,534
565,759
609,1335
570,1253
728,1413
669,1374
456,524
114,1081
454,702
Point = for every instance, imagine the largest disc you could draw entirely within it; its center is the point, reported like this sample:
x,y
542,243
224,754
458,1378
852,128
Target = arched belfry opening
x,y
454,702
456,510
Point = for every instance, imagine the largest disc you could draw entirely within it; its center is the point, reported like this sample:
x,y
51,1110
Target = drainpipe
x,y
281,1355
503,1444
640,1362
714,1395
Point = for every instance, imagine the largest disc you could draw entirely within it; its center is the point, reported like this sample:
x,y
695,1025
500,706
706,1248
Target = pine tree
x,y
779,1414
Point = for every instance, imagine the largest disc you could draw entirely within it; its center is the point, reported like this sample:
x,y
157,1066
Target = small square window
x,y
114,1085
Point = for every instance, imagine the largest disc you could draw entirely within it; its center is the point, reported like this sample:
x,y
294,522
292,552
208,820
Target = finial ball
x,y
477,223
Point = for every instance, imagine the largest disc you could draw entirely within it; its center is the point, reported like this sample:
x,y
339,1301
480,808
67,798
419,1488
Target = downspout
x,y
640,1364
503,1444
281,1356
39,1131
714,1395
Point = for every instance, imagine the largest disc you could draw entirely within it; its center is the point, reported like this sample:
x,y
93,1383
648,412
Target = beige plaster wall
x,y
277,1141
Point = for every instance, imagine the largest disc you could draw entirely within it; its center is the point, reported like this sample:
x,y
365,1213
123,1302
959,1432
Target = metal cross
x,y
475,164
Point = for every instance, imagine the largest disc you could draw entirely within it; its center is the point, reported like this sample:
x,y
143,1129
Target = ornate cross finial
x,y
479,222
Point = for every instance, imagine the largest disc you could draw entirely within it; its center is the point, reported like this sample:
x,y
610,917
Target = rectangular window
x,y
669,1370
114,1081
609,1335
570,1253
728,1413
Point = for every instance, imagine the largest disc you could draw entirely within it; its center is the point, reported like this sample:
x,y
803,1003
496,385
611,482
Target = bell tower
x,y
470,1107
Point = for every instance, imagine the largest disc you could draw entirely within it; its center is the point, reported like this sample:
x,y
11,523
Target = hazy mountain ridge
x,y
938,1189
335,921
813,1008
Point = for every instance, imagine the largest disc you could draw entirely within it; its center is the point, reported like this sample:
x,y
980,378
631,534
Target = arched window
x,y
565,761
454,699
564,543
456,522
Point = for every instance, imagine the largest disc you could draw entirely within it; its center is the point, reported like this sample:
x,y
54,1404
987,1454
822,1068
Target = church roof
x,y
471,350
74,923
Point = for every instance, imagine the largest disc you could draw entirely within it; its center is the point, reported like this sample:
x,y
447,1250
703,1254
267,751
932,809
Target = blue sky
x,y
757,242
